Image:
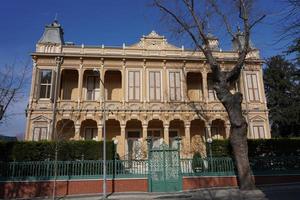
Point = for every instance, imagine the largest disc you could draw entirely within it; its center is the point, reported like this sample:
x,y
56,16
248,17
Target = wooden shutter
x,y
158,86
172,85
255,87
137,85
250,87
131,85
177,87
36,134
152,85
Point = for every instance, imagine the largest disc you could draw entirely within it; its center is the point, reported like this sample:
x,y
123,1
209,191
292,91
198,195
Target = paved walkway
x,y
275,192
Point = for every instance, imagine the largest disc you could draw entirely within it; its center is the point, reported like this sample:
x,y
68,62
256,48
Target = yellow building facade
x,y
148,89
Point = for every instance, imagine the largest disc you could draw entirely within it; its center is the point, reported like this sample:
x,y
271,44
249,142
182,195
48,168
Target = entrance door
x,y
134,145
164,169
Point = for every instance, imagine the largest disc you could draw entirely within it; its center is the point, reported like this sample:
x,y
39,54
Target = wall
x,y
29,189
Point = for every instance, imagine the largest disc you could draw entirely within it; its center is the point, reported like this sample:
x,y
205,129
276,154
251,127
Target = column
x,y
100,132
33,83
204,86
77,132
144,83
80,84
188,136
123,81
145,127
122,143
227,130
166,133
102,89
208,129
165,88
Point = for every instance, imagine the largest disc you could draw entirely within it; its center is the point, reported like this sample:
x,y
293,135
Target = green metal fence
x,y
42,170
220,166
84,169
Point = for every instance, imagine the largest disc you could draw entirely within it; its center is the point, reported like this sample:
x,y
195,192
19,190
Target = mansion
x,y
151,88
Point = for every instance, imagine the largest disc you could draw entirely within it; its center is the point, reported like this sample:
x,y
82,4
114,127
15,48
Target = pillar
x,y
188,136
164,84
102,89
77,132
33,89
166,133
123,82
204,86
121,145
80,84
100,132
208,129
145,126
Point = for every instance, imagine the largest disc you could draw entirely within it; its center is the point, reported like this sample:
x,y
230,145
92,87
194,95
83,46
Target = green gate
x,y
164,169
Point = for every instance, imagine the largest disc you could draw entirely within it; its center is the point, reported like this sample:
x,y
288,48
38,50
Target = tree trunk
x,y
238,136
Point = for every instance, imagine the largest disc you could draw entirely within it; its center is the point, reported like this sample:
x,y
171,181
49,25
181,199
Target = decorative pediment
x,y
40,118
153,41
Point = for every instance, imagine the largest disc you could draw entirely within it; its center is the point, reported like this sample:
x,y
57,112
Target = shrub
x,y
197,162
67,150
260,147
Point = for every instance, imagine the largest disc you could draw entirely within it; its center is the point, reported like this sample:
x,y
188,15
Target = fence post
x,y
81,166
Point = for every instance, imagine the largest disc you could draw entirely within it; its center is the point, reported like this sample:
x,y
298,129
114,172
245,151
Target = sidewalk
x,y
203,194
271,192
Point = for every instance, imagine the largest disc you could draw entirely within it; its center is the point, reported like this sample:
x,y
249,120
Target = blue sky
x,y
96,22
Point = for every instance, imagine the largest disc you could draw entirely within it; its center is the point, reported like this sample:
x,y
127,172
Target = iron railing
x,y
83,169
72,169
220,166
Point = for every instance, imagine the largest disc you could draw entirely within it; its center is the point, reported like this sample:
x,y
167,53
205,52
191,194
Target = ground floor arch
x,y
218,129
65,129
89,130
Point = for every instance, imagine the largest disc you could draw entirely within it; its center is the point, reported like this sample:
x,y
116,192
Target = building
x,y
152,88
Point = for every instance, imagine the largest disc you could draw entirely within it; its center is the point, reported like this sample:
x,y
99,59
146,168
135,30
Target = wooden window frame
x,y
155,87
134,87
253,89
40,133
176,87
49,86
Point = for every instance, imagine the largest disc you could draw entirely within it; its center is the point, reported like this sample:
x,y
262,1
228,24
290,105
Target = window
x,y
174,80
134,85
154,86
92,88
258,131
45,84
211,92
252,87
39,133
90,133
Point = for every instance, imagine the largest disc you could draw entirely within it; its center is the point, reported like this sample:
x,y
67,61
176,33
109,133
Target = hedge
x,y
45,150
260,147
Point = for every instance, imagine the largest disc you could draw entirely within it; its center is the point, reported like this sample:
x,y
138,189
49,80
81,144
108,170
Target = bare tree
x,y
192,18
11,86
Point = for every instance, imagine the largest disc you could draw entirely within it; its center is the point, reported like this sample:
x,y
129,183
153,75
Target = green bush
x,y
260,147
67,150
197,162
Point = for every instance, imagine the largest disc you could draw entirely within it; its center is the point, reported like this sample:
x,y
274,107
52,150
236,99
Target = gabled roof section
x,y
53,34
154,41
